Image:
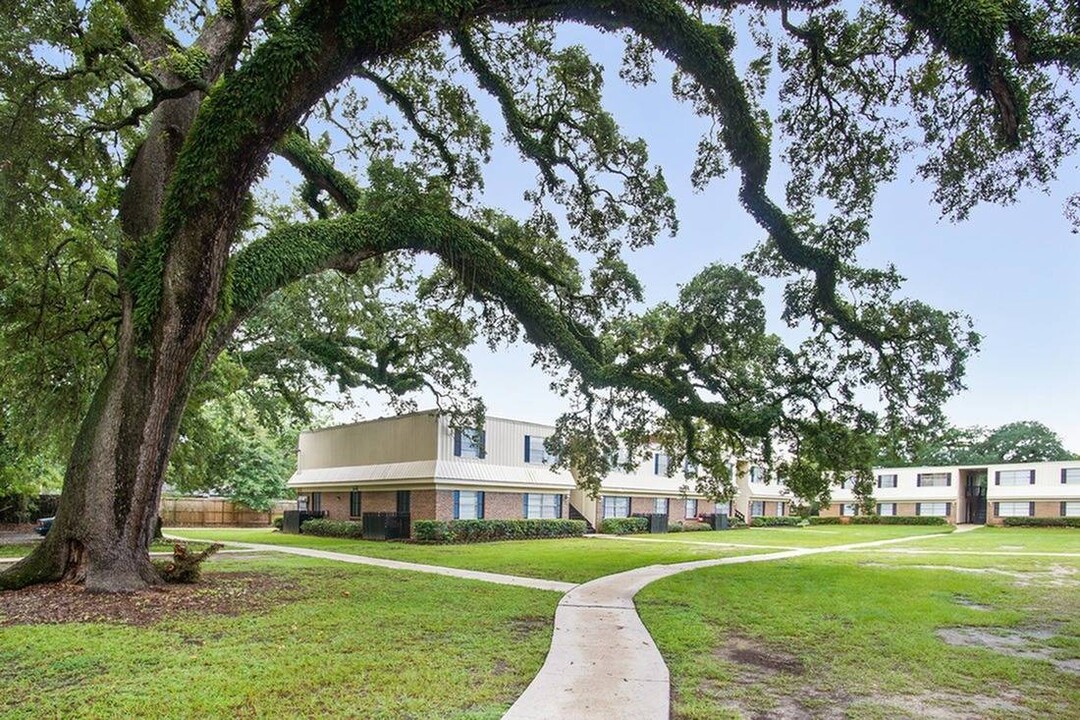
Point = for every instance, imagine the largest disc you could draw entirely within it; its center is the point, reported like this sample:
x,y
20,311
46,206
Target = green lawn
x,y
570,560
8,551
802,537
1002,539
853,635
19,550
353,642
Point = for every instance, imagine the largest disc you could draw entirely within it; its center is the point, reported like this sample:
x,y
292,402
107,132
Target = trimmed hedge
x,y
782,521
818,520
471,531
332,528
688,526
898,520
1057,522
624,526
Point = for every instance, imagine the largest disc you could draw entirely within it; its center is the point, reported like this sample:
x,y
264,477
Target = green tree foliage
x,y
1015,442
143,256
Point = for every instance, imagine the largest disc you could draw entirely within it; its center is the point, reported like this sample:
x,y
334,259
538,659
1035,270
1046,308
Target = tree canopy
x,y
145,255
1024,441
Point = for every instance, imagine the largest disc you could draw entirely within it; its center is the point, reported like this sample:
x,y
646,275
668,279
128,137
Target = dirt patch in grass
x,y
940,706
971,604
217,594
1015,642
523,627
747,652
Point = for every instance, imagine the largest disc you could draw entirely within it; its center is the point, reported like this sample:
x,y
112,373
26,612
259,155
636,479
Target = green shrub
x,y
624,526
898,520
694,526
782,521
1058,522
278,523
818,520
471,531
332,528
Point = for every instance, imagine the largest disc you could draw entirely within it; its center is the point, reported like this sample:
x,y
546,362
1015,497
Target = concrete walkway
x,y
603,663
534,583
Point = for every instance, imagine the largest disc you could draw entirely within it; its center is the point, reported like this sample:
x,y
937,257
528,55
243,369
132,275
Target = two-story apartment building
x,y
417,463
983,494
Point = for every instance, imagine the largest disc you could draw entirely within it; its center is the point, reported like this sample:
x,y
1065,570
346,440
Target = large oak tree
x,y
137,135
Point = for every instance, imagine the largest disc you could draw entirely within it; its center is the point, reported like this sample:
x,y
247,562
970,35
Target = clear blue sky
x,y
1015,270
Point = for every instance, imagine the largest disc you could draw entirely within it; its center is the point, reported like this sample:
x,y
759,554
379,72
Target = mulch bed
x,y
230,593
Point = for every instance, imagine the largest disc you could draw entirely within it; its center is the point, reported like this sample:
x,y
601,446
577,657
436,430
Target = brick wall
x,y
378,501
1043,509
502,506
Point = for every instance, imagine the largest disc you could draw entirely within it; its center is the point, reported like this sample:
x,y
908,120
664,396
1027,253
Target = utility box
x,y
658,522
386,525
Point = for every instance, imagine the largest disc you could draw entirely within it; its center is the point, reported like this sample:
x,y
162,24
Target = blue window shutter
x,y
1031,505
457,504
457,445
948,509
559,515
525,496
480,506
997,509
1032,477
1064,509
918,508
526,448
483,444
656,463
948,480
997,477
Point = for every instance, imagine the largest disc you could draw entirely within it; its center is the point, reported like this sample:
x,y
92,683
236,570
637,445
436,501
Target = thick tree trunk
x,y
108,510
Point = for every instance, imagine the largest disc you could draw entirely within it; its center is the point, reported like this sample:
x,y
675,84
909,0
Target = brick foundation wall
x,y
336,504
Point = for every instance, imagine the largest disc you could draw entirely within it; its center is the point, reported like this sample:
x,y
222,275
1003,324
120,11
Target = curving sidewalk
x,y
603,663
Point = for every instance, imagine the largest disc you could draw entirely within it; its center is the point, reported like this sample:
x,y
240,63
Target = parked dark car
x,y
43,526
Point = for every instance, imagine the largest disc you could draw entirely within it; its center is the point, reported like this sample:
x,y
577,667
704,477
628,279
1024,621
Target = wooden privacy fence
x,y
209,512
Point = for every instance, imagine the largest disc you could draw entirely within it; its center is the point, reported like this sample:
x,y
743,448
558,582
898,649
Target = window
x,y
780,507
535,452
691,508
1014,509
757,474
660,463
886,509
404,501
1070,509
849,509
302,503
468,505
848,483
934,480
935,509
354,503
757,508
1070,476
660,506
469,443
543,505
316,502
689,469
886,481
1012,478
616,506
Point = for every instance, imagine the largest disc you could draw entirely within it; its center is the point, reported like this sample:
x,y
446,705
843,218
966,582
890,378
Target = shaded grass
x,y
357,642
569,560
22,549
864,635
